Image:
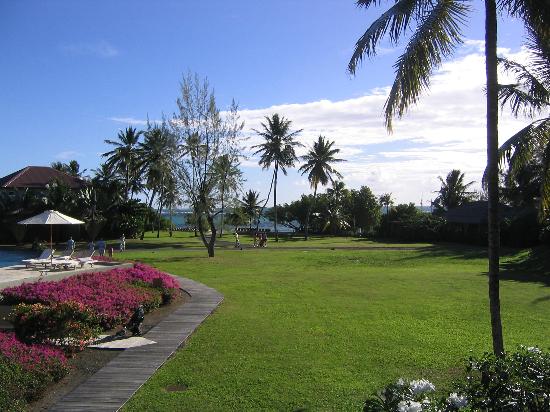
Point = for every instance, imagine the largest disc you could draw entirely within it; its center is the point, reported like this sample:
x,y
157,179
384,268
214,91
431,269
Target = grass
x,y
319,329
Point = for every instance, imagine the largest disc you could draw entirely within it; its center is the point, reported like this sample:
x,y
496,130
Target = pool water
x,y
14,257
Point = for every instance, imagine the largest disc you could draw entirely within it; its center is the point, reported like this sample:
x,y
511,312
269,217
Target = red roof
x,y
37,177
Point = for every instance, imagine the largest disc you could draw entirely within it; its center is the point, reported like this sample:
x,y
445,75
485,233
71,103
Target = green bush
x,y
17,386
517,382
70,324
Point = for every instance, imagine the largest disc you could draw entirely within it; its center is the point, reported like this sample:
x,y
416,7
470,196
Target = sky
x,y
75,73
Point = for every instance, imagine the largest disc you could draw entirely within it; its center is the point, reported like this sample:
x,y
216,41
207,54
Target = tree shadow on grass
x,y
171,259
456,251
146,245
532,267
450,250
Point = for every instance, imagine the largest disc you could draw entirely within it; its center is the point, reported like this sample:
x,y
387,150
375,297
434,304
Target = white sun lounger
x,y
43,259
64,264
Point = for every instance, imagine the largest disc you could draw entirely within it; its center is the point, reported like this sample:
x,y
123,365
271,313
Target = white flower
x,y
409,406
421,386
533,349
456,400
400,382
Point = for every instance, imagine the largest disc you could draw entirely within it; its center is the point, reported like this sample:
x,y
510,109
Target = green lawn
x,y
321,329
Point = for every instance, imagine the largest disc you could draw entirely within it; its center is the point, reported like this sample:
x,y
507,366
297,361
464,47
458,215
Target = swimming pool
x,y
14,257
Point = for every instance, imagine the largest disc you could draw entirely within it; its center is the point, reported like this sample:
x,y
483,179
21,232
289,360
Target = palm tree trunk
x,y
265,204
171,219
275,202
158,219
492,166
146,223
223,210
309,211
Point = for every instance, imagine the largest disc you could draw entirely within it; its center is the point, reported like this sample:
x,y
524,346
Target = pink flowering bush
x,y
26,371
40,359
112,295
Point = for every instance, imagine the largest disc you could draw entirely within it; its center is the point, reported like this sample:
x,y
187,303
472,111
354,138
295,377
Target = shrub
x,y
39,359
121,291
26,370
70,324
519,381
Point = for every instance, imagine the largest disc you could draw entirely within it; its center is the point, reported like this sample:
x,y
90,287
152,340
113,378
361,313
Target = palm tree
x,y
336,195
229,178
386,201
530,147
124,157
251,205
453,192
278,150
157,154
436,32
318,167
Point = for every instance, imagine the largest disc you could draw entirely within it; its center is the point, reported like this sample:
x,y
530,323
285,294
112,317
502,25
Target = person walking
x,y
70,244
122,243
101,246
237,241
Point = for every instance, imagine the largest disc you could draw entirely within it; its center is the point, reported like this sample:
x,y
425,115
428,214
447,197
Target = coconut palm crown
x,y
278,149
319,169
530,96
124,158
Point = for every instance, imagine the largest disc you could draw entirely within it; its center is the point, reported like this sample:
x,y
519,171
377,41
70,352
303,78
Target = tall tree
x,y
386,201
278,149
319,168
435,28
124,158
230,179
72,168
337,218
251,205
453,192
157,161
204,135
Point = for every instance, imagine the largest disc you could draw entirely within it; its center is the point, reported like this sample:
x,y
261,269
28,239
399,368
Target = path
x,y
113,385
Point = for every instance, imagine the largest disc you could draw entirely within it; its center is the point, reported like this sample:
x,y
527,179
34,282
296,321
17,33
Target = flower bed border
x,y
113,385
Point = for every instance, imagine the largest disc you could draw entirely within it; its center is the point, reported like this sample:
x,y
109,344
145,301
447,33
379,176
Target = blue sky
x,y
75,72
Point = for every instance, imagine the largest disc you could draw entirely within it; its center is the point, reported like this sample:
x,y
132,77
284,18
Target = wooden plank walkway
x,y
111,387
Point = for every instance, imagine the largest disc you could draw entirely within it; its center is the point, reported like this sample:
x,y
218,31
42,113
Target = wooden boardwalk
x,y
111,387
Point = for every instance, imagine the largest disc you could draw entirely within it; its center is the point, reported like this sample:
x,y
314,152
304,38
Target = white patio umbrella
x,y
51,217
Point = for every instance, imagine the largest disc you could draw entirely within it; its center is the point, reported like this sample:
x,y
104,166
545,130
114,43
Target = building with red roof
x,y
39,177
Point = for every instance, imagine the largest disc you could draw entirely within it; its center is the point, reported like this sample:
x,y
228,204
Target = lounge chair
x,y
64,263
66,254
44,258
86,258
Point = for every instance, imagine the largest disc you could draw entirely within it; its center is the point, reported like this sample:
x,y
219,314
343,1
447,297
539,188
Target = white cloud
x,y
445,130
101,49
130,120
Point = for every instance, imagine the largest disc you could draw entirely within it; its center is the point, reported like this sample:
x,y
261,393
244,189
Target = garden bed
x,y
60,317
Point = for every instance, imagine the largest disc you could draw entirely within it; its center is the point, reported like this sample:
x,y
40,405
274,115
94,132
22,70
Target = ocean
x,y
180,221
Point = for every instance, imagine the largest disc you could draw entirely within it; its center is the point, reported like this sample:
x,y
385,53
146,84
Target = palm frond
x,y
529,96
396,19
438,34
534,13
518,150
